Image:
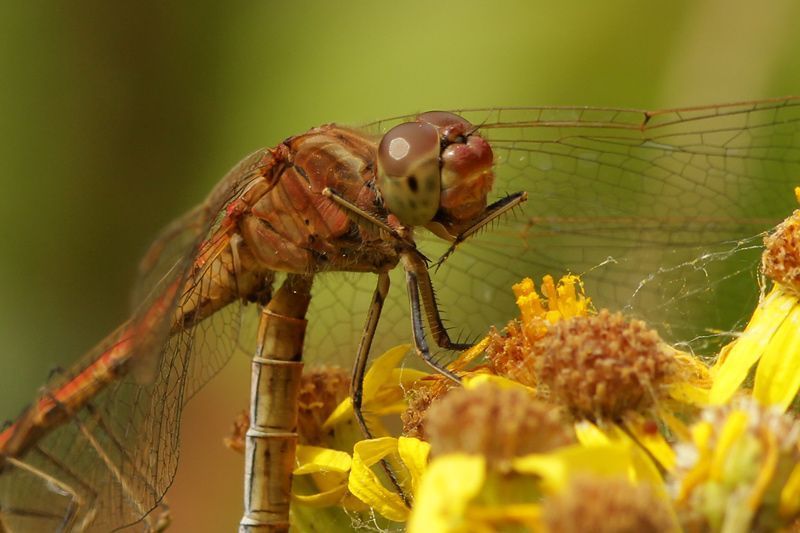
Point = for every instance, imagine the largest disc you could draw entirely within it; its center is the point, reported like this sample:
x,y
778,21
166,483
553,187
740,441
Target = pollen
x,y
498,423
781,258
420,397
509,352
321,390
606,505
601,366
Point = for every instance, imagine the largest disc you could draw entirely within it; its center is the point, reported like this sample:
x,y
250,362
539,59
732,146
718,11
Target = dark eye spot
x,y
306,221
413,184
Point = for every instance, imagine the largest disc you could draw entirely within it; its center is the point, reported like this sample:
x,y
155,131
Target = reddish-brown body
x,y
289,226
281,222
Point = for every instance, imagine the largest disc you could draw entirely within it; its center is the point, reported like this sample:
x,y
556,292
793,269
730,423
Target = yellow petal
x,y
405,376
468,355
557,468
380,372
476,379
326,498
414,454
701,435
365,485
735,363
688,393
447,487
790,494
328,469
528,514
342,413
313,459
651,440
778,375
735,426
590,435
643,468
677,426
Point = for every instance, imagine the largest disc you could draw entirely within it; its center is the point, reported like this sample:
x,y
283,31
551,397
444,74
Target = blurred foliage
x,y
116,117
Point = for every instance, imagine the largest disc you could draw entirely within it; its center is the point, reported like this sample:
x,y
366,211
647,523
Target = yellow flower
x,y
771,340
497,450
603,367
740,470
385,385
460,492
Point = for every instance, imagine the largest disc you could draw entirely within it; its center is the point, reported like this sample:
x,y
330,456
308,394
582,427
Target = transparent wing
x,y
111,463
660,212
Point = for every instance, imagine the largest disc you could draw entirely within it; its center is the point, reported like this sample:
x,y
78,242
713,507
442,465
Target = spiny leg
x,y
359,369
492,212
440,334
418,330
431,308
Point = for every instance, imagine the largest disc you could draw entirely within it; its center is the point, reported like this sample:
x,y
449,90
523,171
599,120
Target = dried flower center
x,y
321,390
781,258
606,505
497,423
602,366
420,398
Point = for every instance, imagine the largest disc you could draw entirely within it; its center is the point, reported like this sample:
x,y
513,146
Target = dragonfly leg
x,y
360,216
359,369
271,439
492,212
431,307
418,330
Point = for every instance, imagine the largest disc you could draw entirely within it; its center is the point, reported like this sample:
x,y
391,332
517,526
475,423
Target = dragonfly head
x,y
435,171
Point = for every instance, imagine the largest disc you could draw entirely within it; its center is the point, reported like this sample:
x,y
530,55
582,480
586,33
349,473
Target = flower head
x,y
497,423
769,347
740,471
781,258
607,505
509,353
602,366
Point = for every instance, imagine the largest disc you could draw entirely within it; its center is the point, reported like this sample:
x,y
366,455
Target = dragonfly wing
x,y
660,212
113,455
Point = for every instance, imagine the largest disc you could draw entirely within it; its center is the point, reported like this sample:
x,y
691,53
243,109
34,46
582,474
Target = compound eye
x,y
444,119
408,172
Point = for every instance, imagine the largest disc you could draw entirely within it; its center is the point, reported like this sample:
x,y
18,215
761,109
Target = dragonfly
x,y
660,212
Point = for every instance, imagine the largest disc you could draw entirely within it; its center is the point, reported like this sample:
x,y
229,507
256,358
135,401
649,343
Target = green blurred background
x,y
115,118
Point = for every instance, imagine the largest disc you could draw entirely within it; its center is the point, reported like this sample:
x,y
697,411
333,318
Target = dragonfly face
x,y
435,170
